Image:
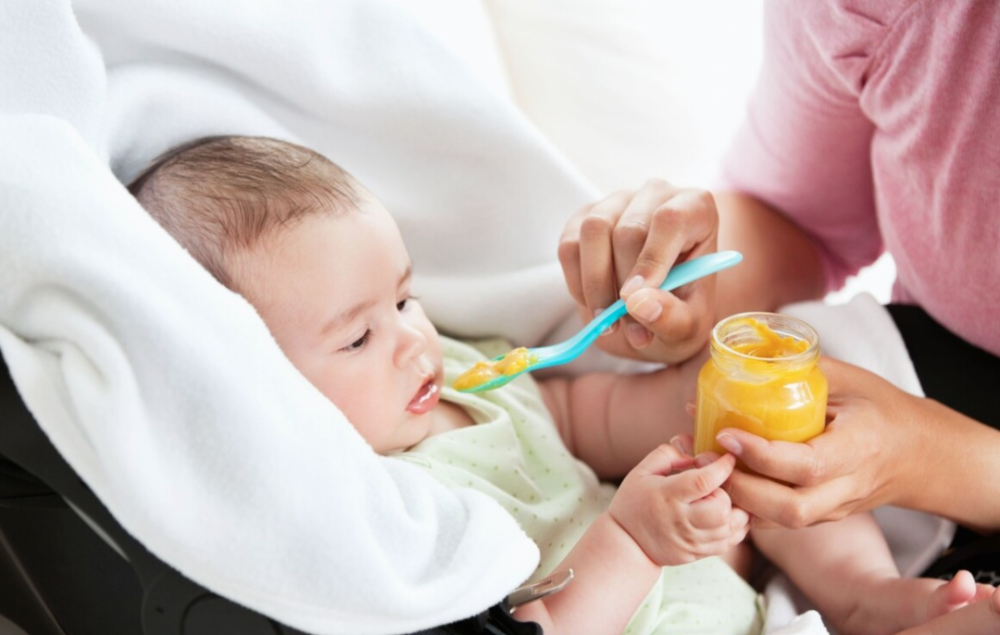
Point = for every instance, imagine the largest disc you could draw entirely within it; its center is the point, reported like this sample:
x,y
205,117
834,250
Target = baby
x,y
324,264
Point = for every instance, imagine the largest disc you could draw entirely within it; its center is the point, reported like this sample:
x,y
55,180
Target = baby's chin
x,y
416,429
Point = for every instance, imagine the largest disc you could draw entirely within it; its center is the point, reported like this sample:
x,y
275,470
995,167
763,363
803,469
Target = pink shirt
x,y
876,126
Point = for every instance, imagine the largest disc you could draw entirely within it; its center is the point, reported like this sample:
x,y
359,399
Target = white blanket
x,y
165,391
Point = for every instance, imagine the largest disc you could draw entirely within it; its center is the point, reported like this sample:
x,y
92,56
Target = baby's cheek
x,y
364,422
434,349
353,398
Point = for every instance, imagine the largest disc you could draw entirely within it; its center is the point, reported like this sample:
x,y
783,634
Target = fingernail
x,y
646,309
683,443
705,458
634,284
637,335
678,444
729,442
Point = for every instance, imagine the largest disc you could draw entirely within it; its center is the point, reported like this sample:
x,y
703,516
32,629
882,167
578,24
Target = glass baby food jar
x,y
762,377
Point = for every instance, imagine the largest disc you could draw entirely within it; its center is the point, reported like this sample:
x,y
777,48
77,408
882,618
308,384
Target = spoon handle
x,y
679,276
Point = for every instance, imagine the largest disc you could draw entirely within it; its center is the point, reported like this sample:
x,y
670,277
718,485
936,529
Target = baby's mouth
x,y
425,399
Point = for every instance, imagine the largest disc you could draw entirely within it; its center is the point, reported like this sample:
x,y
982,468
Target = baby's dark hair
x,y
219,196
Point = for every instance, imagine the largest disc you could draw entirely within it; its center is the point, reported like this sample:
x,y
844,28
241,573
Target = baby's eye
x,y
406,303
357,344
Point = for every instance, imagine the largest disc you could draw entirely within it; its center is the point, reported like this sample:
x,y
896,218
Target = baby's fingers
x,y
716,547
664,460
739,521
683,443
711,511
732,533
739,535
698,483
714,522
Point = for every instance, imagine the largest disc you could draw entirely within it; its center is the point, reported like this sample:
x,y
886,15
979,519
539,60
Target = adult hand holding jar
x,y
879,442
639,235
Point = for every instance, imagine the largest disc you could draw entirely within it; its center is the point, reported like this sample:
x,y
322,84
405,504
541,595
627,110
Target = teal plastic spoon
x,y
565,352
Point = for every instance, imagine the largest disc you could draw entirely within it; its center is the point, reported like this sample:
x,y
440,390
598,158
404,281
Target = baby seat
x,y
67,567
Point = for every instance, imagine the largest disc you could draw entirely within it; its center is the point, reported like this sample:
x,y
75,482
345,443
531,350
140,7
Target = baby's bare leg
x,y
845,568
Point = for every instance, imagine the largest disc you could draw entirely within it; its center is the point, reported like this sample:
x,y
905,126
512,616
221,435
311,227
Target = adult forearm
x,y
781,263
957,475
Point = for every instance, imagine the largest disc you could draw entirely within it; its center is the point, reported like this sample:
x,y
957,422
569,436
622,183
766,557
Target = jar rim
x,y
811,336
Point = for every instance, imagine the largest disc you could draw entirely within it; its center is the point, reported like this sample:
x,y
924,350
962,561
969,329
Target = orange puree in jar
x,y
762,377
510,364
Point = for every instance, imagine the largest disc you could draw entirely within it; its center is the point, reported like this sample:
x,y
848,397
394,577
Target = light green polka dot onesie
x,y
514,454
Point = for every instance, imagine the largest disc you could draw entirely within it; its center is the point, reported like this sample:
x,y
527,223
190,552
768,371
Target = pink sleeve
x,y
804,147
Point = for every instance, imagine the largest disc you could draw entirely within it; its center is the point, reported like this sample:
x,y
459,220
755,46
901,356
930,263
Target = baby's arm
x,y
611,421
657,518
611,577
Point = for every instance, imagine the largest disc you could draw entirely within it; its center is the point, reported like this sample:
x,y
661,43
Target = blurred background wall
x,y
631,89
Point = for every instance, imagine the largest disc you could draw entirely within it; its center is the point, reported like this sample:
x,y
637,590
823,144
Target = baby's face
x,y
335,293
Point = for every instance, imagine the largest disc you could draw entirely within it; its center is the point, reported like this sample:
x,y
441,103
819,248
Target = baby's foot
x,y
954,594
978,618
890,605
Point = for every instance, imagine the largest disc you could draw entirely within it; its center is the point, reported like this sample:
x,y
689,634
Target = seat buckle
x,y
546,586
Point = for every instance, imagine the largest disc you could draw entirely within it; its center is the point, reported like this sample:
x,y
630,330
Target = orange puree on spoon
x,y
510,364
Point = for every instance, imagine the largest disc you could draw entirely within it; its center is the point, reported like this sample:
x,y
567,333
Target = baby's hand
x,y
681,517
